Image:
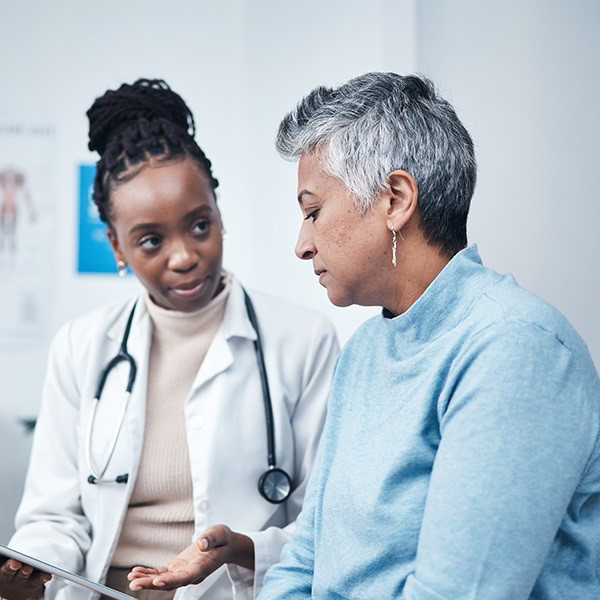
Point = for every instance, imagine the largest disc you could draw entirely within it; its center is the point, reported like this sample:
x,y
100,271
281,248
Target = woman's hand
x,y
21,582
217,546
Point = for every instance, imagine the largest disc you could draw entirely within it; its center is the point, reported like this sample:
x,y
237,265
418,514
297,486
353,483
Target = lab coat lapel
x,y
219,356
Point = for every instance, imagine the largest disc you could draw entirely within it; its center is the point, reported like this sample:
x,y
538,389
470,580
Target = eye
x,y
201,226
312,214
149,242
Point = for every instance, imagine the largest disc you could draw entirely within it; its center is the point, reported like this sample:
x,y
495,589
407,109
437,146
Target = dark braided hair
x,y
135,123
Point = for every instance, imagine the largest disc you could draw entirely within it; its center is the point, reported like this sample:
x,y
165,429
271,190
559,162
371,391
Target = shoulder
x,y
94,323
514,341
507,311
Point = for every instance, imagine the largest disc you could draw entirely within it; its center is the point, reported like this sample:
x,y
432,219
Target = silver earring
x,y
122,268
394,248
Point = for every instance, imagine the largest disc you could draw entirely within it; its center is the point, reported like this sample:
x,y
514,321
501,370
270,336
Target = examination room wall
x,y
521,75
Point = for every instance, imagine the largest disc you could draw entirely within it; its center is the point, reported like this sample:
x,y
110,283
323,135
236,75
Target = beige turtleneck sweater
x,y
159,521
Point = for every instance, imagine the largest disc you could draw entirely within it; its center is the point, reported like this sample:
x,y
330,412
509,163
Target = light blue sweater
x,y
460,458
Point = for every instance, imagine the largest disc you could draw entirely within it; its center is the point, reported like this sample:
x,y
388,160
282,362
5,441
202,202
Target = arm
x,y
249,554
50,523
516,437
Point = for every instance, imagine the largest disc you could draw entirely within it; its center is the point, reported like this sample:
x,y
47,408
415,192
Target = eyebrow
x,y
190,215
302,194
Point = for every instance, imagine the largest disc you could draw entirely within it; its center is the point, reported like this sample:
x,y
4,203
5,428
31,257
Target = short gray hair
x,y
380,122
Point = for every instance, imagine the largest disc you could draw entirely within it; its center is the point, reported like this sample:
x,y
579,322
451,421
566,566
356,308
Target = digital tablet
x,y
40,565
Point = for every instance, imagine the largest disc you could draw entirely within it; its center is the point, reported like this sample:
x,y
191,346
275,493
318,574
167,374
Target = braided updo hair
x,y
134,124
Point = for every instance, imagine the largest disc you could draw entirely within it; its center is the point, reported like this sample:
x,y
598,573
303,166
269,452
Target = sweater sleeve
x,y
517,431
307,423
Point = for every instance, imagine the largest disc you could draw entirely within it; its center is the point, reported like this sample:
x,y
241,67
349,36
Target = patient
x,y
460,457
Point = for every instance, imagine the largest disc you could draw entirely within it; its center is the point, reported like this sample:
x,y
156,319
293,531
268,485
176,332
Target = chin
x,y
339,299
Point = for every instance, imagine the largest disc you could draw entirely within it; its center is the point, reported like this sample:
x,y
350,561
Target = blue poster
x,y
95,254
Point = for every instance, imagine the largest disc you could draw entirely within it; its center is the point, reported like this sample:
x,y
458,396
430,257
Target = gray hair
x,y
380,122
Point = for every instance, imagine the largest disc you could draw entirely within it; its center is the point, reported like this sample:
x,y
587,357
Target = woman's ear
x,y
402,197
114,242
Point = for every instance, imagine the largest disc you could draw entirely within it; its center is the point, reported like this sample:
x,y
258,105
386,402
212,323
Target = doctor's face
x,y
166,226
349,251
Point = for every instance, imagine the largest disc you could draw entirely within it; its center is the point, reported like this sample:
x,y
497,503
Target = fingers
x,y
10,568
143,582
163,581
18,580
142,571
15,569
24,572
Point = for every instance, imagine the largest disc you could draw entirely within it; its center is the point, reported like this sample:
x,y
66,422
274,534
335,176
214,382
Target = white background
x,y
522,76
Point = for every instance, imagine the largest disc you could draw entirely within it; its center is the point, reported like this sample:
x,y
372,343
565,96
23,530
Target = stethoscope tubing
x,y
264,383
274,485
122,356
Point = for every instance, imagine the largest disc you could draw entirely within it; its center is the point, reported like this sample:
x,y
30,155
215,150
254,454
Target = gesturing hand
x,y
217,546
19,581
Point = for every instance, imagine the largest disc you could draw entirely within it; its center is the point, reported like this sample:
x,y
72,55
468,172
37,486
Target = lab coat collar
x,y
235,324
141,321
219,357
235,318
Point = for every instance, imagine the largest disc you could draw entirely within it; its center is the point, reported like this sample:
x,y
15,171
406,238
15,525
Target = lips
x,y
187,286
320,273
189,289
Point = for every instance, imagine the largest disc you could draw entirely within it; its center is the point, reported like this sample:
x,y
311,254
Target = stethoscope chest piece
x,y
275,485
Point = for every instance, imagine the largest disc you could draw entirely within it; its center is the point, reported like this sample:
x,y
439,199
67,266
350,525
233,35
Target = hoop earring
x,y
394,243
122,268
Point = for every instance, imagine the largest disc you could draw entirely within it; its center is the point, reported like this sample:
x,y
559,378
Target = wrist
x,y
241,551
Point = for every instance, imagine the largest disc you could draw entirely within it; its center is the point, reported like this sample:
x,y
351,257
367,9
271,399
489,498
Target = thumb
x,y
213,537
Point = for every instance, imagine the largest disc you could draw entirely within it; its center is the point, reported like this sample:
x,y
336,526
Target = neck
x,y
418,265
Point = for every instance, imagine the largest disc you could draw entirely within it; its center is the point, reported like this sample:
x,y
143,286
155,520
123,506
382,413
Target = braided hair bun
x,y
135,123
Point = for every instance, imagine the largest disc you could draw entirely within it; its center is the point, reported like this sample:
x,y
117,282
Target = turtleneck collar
x,y
443,304
173,323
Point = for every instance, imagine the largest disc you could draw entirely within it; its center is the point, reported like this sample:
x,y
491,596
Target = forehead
x,y
162,187
310,171
313,178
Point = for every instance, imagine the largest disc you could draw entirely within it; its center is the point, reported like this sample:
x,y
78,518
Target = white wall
x,y
240,66
523,77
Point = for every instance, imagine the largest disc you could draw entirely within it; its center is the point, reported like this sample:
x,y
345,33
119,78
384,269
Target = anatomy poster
x,y
26,225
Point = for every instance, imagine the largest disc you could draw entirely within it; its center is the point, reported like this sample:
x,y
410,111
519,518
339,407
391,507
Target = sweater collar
x,y
443,304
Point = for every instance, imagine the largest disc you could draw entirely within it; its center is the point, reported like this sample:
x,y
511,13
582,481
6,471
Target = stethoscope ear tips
x,y
91,479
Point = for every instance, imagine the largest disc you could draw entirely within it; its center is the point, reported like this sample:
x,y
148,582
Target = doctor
x,y
228,389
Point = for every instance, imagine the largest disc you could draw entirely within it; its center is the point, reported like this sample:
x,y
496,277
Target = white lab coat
x,y
67,521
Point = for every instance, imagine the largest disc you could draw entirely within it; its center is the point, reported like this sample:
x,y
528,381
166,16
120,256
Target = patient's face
x,y
347,249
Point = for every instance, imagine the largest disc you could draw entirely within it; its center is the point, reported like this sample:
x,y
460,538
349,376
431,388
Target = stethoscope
x,y
274,485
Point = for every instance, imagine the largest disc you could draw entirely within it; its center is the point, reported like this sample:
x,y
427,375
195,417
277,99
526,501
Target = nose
x,y
182,257
305,246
